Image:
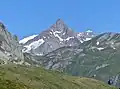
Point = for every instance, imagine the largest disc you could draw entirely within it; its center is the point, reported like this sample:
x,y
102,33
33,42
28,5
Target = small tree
x,y
16,37
1,25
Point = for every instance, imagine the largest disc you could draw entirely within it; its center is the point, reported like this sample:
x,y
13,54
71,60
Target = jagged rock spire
x,y
59,21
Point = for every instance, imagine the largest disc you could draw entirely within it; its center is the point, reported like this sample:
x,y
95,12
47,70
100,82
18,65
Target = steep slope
x,y
98,57
39,78
58,35
9,46
101,57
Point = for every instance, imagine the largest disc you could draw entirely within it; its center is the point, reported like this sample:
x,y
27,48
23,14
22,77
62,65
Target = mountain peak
x,y
59,21
58,35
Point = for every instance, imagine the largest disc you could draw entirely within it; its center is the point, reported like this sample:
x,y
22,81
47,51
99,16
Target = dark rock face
x,y
9,47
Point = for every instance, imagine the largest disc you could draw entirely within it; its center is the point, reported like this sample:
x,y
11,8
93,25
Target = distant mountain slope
x,y
98,56
39,78
58,35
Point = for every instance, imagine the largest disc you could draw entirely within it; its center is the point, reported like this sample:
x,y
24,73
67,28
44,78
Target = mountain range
x,y
60,48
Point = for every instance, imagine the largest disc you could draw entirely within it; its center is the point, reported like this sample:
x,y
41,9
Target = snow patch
x,y
64,33
51,33
34,45
51,46
112,43
102,66
23,41
98,43
7,53
81,41
58,31
44,37
70,45
26,63
61,39
40,54
87,39
113,47
100,48
56,35
68,38
79,34
21,62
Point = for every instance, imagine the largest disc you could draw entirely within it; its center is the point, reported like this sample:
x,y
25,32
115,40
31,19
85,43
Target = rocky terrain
x,y
10,48
58,35
61,48
89,55
97,57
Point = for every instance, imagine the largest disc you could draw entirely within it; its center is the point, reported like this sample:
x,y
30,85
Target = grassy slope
x,y
8,84
19,77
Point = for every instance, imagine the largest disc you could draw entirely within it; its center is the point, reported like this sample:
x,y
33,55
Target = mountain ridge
x,y
98,56
58,35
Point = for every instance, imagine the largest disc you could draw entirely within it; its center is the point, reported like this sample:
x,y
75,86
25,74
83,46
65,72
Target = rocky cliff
x,y
9,46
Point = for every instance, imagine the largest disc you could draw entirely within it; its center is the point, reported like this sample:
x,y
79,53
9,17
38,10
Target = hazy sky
x,y
27,17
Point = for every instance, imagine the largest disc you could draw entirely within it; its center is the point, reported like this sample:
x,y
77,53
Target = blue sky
x,y
27,17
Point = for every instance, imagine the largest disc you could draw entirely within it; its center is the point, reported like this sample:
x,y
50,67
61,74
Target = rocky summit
x,y
57,36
